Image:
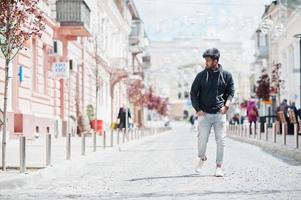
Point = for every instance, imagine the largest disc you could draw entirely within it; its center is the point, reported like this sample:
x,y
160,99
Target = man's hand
x,y
223,110
200,113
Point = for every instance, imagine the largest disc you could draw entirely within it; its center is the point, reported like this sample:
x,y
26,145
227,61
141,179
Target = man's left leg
x,y
220,138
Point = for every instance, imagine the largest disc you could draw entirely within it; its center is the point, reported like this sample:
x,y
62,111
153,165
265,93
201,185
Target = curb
x,y
271,147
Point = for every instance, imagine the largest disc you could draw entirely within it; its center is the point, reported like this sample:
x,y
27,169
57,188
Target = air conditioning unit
x,y
73,65
57,48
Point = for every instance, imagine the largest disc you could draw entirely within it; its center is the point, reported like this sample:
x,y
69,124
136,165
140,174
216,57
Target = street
x,y
162,167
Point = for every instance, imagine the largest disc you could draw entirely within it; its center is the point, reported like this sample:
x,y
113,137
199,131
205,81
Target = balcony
x,y
74,17
262,52
136,36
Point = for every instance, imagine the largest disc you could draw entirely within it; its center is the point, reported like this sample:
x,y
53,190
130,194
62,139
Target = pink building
x,y
40,103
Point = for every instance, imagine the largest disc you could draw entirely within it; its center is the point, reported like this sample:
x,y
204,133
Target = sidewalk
x,y
289,149
36,155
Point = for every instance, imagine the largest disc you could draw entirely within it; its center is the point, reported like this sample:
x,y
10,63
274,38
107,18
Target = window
x,y
263,40
179,95
291,57
34,64
39,66
45,70
186,95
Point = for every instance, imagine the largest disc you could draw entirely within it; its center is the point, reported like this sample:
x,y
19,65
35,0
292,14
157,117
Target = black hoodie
x,y
211,89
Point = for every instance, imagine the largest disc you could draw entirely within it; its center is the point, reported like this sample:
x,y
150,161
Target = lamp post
x,y
299,37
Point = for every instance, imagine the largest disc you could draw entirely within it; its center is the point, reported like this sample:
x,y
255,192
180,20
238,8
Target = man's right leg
x,y
204,127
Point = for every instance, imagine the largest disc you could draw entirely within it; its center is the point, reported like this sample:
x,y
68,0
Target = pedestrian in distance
x,y
252,114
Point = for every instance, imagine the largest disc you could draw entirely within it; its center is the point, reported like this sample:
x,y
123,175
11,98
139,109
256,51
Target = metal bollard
x,y
135,134
22,143
236,130
104,139
241,130
254,129
284,133
68,146
259,132
118,136
83,144
227,129
296,136
94,141
112,138
130,134
139,133
266,130
48,149
123,136
274,133
249,130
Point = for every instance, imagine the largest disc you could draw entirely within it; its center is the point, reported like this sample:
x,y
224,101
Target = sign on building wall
x,y
60,70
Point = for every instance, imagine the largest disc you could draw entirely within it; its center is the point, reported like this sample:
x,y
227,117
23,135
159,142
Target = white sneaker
x,y
200,166
219,172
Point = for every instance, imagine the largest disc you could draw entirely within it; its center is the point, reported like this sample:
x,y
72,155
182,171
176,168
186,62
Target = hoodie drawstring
x,y
220,75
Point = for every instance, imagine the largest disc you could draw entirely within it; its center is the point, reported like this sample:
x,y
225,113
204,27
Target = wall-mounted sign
x,y
60,69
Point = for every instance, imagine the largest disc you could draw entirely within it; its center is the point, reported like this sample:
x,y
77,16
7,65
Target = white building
x,y
277,43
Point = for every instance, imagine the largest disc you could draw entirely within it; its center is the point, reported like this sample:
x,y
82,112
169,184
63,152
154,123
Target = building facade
x,y
276,44
92,39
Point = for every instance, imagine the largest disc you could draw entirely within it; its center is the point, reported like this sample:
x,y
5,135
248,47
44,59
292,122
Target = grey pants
x,y
205,123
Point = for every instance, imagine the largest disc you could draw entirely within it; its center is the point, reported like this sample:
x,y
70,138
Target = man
x,y
211,95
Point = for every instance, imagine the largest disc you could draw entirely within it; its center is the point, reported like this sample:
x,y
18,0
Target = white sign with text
x,y
60,69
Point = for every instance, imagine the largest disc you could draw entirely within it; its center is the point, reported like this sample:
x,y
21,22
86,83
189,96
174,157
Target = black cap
x,y
212,53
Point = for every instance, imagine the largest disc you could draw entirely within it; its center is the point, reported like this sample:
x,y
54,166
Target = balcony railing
x,y
74,17
262,52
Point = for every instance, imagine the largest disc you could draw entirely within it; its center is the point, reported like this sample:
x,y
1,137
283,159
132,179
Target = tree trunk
x,y
96,104
5,115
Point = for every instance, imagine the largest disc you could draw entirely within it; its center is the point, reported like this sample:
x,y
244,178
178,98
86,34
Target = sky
x,y
228,20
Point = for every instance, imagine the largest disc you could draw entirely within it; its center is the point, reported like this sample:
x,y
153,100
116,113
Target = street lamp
x,y
299,37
